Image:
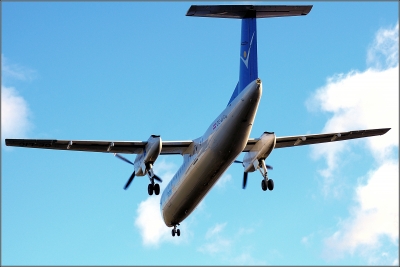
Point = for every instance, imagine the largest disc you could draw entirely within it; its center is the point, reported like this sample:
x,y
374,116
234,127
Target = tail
x,y
248,46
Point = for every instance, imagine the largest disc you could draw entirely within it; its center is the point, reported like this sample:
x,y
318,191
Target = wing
x,y
129,147
309,139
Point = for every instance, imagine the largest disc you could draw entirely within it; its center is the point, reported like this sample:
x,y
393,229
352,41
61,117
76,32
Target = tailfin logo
x,y
246,61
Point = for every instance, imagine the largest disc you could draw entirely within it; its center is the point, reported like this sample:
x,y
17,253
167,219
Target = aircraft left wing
x,y
309,139
128,147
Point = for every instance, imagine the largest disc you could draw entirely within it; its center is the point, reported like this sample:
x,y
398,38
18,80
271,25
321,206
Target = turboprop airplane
x,y
206,158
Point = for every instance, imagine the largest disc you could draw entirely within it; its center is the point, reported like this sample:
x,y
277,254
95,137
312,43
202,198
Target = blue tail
x,y
248,56
248,46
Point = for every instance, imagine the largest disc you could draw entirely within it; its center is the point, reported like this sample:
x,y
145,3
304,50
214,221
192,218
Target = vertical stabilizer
x,y
248,71
248,53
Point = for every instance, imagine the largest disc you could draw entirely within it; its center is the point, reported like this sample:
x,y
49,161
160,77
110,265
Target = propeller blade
x,y
130,180
157,178
238,161
124,159
244,179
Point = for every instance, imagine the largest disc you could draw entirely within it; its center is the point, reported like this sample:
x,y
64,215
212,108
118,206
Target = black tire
x,y
178,232
150,189
263,185
173,232
157,189
271,184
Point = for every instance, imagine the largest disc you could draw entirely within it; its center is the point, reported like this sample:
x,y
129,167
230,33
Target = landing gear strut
x,y
265,183
176,231
152,187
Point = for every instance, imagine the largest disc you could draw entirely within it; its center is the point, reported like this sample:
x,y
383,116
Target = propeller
x,y
123,158
244,179
130,180
133,174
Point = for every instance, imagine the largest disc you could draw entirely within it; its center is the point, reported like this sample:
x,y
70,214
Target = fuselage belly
x,y
224,140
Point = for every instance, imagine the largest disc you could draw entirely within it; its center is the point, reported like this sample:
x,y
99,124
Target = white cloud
x,y
15,114
15,71
218,244
384,51
215,230
223,180
376,214
372,97
149,221
245,258
224,246
306,240
363,100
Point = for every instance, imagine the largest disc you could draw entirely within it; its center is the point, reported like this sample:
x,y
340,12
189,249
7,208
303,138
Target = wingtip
x,y
386,130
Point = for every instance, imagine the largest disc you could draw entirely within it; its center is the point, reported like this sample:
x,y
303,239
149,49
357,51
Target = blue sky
x,y
126,70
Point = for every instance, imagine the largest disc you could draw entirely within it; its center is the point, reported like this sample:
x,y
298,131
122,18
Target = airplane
x,y
207,157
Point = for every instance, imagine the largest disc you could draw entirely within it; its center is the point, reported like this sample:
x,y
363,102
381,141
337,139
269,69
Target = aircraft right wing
x,y
309,139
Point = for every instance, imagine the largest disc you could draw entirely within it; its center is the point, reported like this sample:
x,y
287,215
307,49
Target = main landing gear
x,y
152,187
265,183
176,231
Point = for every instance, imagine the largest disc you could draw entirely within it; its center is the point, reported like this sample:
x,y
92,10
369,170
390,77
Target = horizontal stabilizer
x,y
247,11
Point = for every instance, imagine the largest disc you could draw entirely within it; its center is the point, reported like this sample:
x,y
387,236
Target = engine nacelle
x,y
149,155
260,150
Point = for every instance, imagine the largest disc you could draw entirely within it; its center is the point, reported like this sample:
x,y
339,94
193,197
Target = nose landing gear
x,y
176,231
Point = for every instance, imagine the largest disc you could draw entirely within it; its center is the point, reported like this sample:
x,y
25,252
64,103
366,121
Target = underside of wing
x,y
128,147
175,147
302,140
309,139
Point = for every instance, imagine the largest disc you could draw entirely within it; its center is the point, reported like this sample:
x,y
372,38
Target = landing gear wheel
x,y
176,231
270,184
157,190
150,189
263,185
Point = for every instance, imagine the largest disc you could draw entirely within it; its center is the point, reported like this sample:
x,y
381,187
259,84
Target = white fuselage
x,y
211,155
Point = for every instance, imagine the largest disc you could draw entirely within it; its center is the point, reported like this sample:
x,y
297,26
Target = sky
x,y
123,71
